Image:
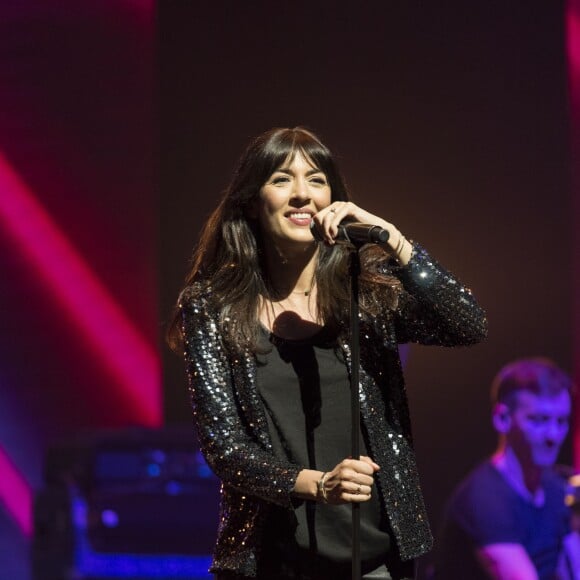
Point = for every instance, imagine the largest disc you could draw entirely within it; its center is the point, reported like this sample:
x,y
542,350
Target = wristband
x,y
321,488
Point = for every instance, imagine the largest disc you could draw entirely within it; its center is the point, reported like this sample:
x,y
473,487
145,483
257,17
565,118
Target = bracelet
x,y
321,488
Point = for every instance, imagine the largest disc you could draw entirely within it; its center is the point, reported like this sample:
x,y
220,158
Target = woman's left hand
x,y
328,219
351,481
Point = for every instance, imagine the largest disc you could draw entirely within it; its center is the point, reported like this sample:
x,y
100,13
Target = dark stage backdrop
x,y
450,120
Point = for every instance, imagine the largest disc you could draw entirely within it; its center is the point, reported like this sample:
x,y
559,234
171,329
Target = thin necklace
x,y
306,292
302,292
273,306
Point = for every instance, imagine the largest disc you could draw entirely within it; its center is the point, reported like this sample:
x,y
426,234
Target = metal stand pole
x,y
355,402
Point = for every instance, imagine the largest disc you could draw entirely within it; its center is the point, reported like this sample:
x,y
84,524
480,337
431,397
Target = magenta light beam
x,y
573,50
122,349
15,494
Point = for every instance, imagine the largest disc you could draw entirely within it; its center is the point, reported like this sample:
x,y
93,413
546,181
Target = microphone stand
x,y
354,398
356,235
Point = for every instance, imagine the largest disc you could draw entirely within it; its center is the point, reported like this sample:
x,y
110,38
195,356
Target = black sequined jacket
x,y
433,308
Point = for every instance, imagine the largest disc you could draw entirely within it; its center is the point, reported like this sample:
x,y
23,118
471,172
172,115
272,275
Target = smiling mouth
x,y
299,215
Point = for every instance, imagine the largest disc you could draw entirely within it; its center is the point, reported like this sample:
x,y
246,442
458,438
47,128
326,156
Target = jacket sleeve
x,y
228,442
434,308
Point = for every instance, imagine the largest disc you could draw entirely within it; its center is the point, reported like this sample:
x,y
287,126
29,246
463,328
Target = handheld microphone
x,y
354,233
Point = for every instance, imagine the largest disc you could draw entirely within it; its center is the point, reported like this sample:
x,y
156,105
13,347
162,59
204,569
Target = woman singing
x,y
263,320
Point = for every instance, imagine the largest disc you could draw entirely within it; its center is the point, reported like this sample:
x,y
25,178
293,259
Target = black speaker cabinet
x,y
137,503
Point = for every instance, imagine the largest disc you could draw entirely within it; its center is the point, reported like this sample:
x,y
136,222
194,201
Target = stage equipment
x,y
137,503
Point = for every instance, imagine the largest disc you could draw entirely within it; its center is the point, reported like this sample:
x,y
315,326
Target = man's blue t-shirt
x,y
485,510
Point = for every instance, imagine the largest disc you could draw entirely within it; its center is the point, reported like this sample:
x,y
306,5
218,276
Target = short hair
x,y
540,376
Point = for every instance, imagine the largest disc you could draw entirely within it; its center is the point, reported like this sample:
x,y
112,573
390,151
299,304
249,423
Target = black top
x,y
486,510
305,388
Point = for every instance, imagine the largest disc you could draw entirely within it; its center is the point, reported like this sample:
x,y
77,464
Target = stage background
x,y
121,123
448,120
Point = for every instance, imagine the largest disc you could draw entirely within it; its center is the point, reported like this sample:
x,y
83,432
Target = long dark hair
x,y
228,259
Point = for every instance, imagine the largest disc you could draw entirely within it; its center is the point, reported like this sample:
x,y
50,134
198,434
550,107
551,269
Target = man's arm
x,y
506,562
569,565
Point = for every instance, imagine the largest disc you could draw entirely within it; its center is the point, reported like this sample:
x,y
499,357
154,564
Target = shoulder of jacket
x,y
197,293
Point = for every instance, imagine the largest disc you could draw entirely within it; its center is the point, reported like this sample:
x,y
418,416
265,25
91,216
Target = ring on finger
x,y
332,210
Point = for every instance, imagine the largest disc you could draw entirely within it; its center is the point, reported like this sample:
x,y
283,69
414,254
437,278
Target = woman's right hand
x,y
351,481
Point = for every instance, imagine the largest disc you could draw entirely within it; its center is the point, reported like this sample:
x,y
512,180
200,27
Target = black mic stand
x,y
354,398
361,234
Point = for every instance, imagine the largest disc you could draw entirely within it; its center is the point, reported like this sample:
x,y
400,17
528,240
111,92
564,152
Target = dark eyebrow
x,y
308,173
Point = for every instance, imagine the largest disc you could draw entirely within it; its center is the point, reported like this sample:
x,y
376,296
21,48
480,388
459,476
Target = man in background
x,y
508,519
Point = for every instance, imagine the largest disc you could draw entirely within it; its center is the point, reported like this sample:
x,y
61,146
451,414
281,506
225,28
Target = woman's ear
x,y
501,418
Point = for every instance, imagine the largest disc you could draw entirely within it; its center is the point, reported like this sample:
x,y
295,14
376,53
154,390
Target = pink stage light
x,y
146,6
573,45
122,349
573,50
15,494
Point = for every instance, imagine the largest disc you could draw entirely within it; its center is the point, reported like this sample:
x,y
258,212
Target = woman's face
x,y
288,200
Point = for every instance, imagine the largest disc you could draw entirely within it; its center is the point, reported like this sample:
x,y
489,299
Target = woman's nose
x,y
301,189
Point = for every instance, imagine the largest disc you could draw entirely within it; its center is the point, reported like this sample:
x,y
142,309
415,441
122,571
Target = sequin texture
x,y
433,308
